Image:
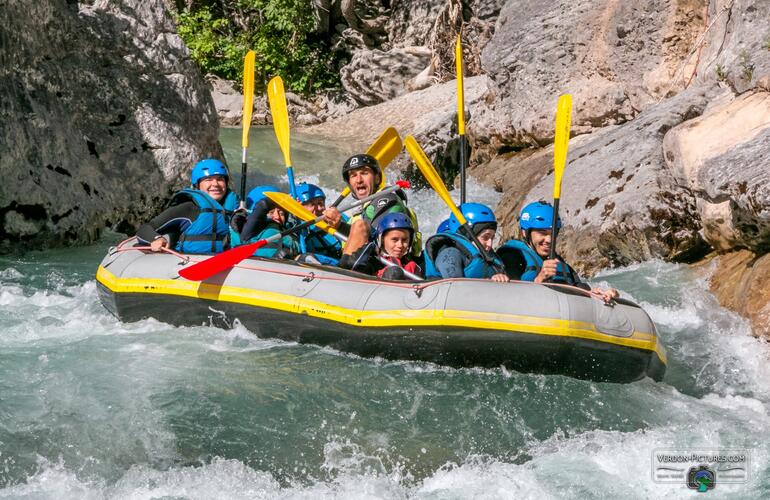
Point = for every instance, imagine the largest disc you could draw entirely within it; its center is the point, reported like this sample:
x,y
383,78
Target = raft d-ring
x,y
417,290
310,277
112,250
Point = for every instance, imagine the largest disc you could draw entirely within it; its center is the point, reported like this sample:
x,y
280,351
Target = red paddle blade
x,y
220,262
403,184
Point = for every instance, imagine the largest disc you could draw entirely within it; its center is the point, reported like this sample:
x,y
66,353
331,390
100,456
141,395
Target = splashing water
x,y
94,408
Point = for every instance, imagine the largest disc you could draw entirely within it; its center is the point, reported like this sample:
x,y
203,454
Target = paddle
x,y
429,171
225,260
384,149
280,114
295,208
461,114
248,107
277,98
560,145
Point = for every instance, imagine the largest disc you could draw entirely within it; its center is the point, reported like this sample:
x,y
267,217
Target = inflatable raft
x,y
527,327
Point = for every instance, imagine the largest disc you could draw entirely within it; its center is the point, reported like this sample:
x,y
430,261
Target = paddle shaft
x,y
554,228
461,113
463,160
243,177
248,107
560,147
308,223
382,259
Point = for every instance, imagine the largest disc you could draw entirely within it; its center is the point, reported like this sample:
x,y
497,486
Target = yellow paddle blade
x,y
295,208
277,98
429,171
460,90
386,147
248,96
561,141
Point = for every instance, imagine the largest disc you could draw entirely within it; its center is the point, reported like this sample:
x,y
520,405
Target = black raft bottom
x,y
455,347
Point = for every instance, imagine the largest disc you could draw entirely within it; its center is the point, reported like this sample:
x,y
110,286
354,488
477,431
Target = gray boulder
x,y
616,58
430,115
620,203
724,157
102,114
374,76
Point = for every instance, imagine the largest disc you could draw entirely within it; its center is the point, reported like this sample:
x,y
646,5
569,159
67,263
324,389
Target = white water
x,y
94,408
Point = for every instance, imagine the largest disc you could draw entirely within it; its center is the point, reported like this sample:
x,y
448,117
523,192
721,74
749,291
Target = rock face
x,y
736,49
102,114
374,76
430,115
725,157
619,201
740,283
616,58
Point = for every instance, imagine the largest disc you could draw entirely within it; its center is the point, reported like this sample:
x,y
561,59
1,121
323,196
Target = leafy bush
x,y
220,32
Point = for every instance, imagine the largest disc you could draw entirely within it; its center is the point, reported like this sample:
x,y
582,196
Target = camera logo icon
x,y
701,478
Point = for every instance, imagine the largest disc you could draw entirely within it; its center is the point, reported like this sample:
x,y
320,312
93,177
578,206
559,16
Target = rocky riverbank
x,y
670,128
670,131
101,113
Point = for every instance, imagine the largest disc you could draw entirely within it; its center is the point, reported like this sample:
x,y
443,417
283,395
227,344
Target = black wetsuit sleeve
x,y
576,278
169,223
364,260
344,228
257,221
514,262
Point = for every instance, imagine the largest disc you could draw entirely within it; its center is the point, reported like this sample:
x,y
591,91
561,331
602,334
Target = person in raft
x,y
197,218
527,259
319,245
393,239
363,175
450,254
264,220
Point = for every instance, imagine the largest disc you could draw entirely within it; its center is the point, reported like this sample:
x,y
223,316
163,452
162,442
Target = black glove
x,y
238,220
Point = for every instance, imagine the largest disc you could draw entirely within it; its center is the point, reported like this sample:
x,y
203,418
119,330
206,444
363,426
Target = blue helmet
x,y
306,192
474,213
257,194
207,168
443,227
538,215
395,220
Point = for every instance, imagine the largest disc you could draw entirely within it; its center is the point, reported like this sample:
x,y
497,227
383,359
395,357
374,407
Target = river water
x,y
94,408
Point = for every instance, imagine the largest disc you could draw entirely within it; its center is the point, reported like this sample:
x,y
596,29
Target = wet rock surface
x,y
102,114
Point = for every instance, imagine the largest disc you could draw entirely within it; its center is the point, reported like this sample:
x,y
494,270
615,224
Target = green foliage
x,y
220,32
747,67
721,73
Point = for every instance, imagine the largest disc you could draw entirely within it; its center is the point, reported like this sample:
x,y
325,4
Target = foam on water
x,y
94,408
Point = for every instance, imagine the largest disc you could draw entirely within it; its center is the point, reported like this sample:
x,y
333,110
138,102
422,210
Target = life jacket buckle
x,y
310,277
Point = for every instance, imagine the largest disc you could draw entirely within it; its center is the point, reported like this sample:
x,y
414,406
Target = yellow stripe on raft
x,y
385,318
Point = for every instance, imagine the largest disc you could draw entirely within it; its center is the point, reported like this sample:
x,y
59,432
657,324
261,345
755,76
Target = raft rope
x,y
311,275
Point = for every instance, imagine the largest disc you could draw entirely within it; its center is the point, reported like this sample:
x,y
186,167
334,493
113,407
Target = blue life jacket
x,y
534,263
476,267
207,234
321,243
286,247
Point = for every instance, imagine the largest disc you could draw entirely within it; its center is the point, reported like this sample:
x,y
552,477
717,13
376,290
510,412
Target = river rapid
x,y
94,408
